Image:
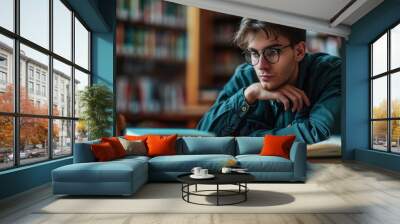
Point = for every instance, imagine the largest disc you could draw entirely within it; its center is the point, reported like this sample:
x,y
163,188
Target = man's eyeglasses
x,y
271,54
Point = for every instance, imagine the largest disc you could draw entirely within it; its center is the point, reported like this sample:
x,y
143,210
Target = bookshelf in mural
x,y
220,56
151,60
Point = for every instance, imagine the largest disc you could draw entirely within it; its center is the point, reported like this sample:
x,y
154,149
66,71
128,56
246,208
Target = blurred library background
x,y
172,61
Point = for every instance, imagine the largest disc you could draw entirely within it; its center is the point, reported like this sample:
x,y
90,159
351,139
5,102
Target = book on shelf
x,y
146,95
224,33
157,12
144,43
226,62
318,42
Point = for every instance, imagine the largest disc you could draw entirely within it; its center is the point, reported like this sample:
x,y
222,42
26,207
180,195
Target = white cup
x,y
226,170
196,170
203,172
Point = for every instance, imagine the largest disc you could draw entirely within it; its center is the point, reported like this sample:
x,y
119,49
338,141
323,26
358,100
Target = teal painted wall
x,y
356,134
27,177
103,53
99,15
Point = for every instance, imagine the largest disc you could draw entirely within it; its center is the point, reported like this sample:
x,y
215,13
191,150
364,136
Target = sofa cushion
x,y
116,145
277,145
161,145
206,145
185,163
118,171
257,163
132,158
137,147
249,145
103,151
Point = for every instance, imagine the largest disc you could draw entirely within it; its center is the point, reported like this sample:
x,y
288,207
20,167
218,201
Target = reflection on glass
x,y
395,47
81,131
395,136
379,135
62,138
379,98
34,96
379,55
395,95
81,81
35,21
6,142
62,89
81,45
62,29
7,14
6,74
33,140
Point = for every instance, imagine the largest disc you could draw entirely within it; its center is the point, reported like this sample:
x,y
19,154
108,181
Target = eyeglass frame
x,y
278,49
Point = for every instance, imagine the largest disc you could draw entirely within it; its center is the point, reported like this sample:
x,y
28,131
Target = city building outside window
x,y
30,87
30,72
3,78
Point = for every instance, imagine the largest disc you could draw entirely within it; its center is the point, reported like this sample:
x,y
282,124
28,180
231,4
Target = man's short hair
x,y
253,26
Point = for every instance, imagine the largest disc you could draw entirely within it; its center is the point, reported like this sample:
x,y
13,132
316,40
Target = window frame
x,y
16,114
388,74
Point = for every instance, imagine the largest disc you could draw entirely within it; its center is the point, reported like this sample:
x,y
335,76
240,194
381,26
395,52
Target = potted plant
x,y
96,103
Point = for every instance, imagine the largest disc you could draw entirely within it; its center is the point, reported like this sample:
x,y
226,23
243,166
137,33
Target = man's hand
x,y
286,94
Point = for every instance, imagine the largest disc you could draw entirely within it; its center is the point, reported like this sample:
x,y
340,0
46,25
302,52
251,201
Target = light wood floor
x,y
378,189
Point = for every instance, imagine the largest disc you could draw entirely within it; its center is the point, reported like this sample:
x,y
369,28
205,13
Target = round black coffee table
x,y
238,179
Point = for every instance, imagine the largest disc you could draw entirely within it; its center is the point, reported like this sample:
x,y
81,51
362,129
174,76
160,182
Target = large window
x,y
385,91
44,64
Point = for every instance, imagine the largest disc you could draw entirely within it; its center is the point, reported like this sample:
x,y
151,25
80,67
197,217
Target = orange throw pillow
x,y
135,138
116,145
161,145
103,151
277,145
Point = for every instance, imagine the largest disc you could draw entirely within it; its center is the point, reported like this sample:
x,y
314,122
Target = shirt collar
x,y
303,64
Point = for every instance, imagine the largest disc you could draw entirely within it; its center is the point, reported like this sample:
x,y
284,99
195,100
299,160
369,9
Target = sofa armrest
x,y
298,155
83,152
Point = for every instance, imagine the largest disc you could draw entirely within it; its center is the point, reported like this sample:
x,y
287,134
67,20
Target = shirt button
x,y
244,108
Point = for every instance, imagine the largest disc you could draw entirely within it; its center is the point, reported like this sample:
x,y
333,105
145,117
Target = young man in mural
x,y
281,90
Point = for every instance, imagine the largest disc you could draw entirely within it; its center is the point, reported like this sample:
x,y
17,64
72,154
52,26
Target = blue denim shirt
x,y
320,79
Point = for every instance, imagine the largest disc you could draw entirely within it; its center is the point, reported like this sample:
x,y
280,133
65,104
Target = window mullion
x,y
389,93
73,83
371,89
50,81
16,85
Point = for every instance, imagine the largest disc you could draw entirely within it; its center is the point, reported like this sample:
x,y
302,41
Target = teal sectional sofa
x,y
125,176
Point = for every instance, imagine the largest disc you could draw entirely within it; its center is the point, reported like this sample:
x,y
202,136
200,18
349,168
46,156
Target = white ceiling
x,y
321,9
315,15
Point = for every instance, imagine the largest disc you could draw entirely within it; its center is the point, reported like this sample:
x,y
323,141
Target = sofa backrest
x,y
249,145
206,145
191,146
83,153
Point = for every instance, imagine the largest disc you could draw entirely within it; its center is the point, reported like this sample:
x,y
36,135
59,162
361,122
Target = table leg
x,y
245,193
217,194
182,190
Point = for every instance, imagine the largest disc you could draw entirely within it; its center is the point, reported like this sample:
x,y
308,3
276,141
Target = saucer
x,y
208,176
